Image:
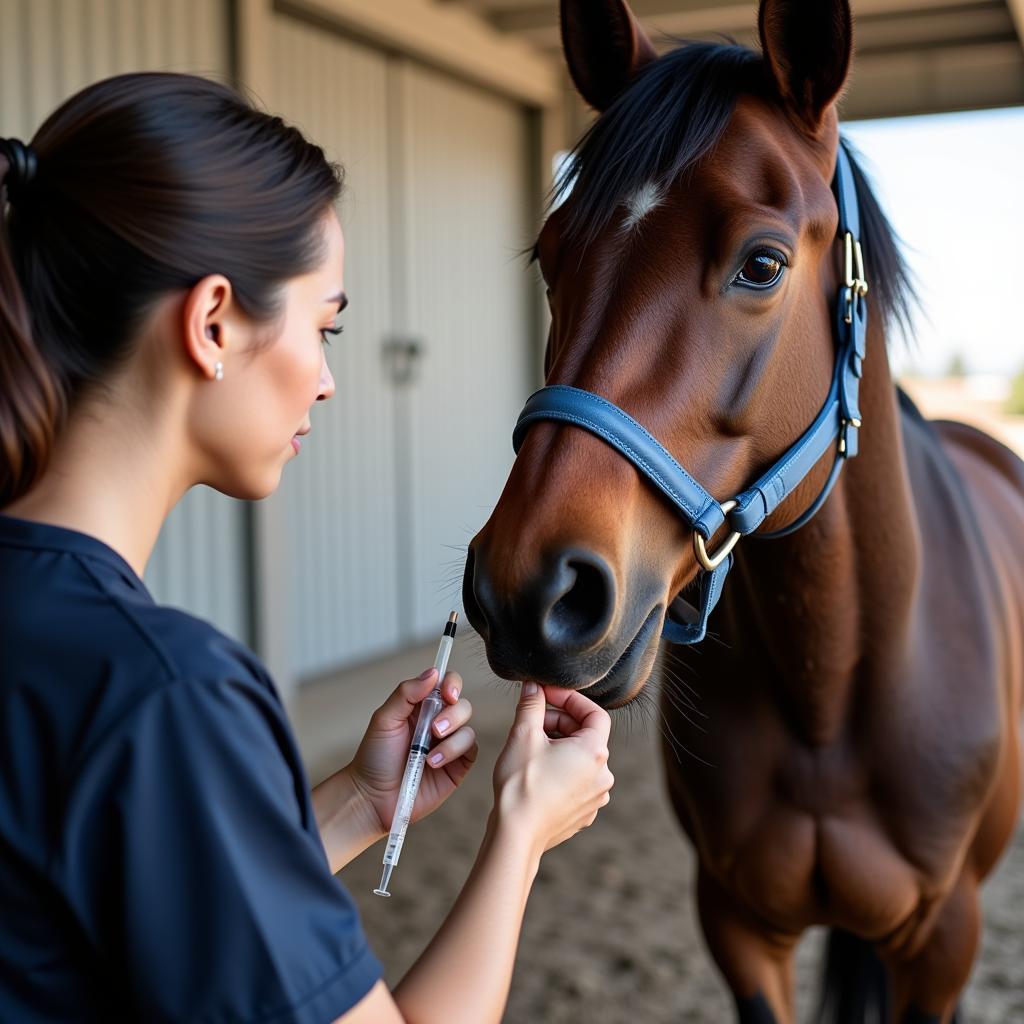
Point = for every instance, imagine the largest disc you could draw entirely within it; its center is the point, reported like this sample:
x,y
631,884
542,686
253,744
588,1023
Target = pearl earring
x,y
218,371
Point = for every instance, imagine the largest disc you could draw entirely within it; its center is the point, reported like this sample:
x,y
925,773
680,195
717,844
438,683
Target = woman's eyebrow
x,y
341,299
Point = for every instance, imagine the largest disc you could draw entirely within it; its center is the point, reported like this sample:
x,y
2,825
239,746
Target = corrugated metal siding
x,y
49,49
341,489
395,479
466,202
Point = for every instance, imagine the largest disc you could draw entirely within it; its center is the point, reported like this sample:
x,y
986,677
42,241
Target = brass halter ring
x,y
853,273
712,562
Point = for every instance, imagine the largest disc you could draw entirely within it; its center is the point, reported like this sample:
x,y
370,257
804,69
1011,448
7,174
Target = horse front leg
x,y
927,986
757,965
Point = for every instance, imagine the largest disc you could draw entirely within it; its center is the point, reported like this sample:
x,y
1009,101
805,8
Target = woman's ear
x,y
205,317
807,45
604,48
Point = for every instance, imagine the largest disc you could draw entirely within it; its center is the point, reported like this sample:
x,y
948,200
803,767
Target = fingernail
x,y
427,673
530,689
442,726
455,693
436,758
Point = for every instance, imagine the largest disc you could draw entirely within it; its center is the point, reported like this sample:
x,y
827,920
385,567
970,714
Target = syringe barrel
x,y
421,738
429,708
406,801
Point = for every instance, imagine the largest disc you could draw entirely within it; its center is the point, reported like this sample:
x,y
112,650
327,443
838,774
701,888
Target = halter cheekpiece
x,y
835,428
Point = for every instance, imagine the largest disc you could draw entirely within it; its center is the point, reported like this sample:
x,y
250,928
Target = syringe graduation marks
x,y
429,708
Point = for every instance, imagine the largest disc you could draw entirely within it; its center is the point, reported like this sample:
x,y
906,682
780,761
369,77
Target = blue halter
x,y
839,419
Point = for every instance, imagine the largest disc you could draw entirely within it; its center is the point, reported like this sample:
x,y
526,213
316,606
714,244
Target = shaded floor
x,y
610,935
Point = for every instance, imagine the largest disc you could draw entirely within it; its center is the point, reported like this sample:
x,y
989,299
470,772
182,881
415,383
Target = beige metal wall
x,y
397,473
465,175
49,49
339,494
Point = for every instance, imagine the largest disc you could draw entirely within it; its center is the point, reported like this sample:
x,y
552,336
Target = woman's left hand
x,y
380,761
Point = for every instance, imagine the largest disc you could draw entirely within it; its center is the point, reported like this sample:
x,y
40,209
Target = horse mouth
x,y
618,686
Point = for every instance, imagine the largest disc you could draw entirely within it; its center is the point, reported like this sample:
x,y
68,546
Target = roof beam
x,y
445,36
1017,13
537,20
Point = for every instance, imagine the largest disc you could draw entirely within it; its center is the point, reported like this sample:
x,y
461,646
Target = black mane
x,y
670,117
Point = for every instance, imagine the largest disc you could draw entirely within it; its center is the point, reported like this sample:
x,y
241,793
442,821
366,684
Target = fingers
x,y
580,707
451,718
559,723
530,709
404,698
460,744
458,768
451,687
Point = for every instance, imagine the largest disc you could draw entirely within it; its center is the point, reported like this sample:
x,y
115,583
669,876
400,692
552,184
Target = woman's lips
x,y
296,443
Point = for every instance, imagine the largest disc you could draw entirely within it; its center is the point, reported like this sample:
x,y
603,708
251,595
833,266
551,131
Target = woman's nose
x,y
326,382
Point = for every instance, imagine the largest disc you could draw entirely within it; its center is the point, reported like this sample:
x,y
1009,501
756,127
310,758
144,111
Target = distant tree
x,y
1015,403
957,366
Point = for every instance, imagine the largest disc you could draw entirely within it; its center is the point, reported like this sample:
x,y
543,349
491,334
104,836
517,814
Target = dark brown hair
x,y
143,184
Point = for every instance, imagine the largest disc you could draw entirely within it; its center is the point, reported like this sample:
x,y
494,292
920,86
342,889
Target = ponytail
x,y
31,400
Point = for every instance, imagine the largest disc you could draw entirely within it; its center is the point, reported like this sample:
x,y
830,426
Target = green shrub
x,y
1015,403
957,366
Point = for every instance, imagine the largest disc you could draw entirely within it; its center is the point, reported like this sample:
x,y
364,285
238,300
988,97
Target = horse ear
x,y
604,47
807,44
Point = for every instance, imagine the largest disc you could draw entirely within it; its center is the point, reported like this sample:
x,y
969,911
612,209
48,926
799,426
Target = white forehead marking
x,y
646,198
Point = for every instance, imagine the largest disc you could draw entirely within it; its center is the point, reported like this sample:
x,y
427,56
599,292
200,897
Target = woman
x,y
170,265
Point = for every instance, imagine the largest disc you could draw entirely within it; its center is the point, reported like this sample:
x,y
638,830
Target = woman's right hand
x,y
552,776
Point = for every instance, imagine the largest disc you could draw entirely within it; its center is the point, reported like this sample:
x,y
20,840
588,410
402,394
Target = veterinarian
x,y
170,261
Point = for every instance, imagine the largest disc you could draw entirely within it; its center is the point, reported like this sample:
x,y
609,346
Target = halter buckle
x,y
711,562
853,273
851,422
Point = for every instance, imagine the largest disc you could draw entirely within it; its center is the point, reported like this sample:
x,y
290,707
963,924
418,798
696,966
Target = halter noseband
x,y
839,419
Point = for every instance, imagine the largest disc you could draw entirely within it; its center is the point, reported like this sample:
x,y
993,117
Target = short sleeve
x,y
190,857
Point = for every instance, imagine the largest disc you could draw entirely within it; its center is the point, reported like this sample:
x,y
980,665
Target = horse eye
x,y
762,269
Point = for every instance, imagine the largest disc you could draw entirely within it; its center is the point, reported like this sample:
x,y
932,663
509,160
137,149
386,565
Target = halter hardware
x,y
835,428
853,273
711,562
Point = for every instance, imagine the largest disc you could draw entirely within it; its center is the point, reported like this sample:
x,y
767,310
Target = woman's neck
x,y
112,476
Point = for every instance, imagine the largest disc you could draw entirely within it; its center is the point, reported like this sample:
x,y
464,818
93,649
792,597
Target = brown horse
x,y
859,766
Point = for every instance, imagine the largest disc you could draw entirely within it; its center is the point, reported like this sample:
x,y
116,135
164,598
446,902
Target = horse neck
x,y
829,607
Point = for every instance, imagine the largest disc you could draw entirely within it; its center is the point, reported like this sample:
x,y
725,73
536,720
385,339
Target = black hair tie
x,y
22,163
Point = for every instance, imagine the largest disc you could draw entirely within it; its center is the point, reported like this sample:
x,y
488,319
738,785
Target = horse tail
x,y
855,986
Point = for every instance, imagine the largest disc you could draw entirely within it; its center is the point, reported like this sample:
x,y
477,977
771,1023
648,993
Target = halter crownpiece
x,y
836,426
22,164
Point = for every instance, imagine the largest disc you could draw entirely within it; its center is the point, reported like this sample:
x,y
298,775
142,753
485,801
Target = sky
x,y
952,185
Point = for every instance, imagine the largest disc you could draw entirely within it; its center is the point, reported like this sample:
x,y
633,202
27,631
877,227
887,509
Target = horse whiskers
x,y
673,675
663,719
679,698
682,709
646,705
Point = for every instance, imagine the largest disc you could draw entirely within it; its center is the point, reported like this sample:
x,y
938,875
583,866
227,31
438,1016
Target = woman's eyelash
x,y
324,331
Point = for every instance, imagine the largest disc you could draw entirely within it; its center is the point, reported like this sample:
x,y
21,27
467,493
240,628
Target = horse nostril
x,y
582,600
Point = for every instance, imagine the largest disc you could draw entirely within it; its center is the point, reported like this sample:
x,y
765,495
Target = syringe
x,y
429,708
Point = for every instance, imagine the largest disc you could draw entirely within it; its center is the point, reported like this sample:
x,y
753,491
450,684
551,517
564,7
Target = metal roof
x,y
913,56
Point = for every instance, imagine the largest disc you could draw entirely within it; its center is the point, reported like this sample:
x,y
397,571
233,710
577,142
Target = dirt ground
x,y
610,935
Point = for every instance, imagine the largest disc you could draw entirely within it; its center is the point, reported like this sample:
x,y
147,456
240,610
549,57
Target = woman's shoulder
x,y
192,648
72,606
85,645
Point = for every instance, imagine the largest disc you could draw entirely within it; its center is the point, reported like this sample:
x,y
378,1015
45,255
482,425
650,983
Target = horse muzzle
x,y
563,625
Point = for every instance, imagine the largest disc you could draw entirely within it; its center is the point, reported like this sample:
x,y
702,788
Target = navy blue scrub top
x,y
159,858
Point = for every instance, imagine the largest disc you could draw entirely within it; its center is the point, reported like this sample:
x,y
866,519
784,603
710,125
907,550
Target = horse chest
x,y
867,832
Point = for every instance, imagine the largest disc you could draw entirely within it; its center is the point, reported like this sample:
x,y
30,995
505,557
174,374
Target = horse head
x,y
692,268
